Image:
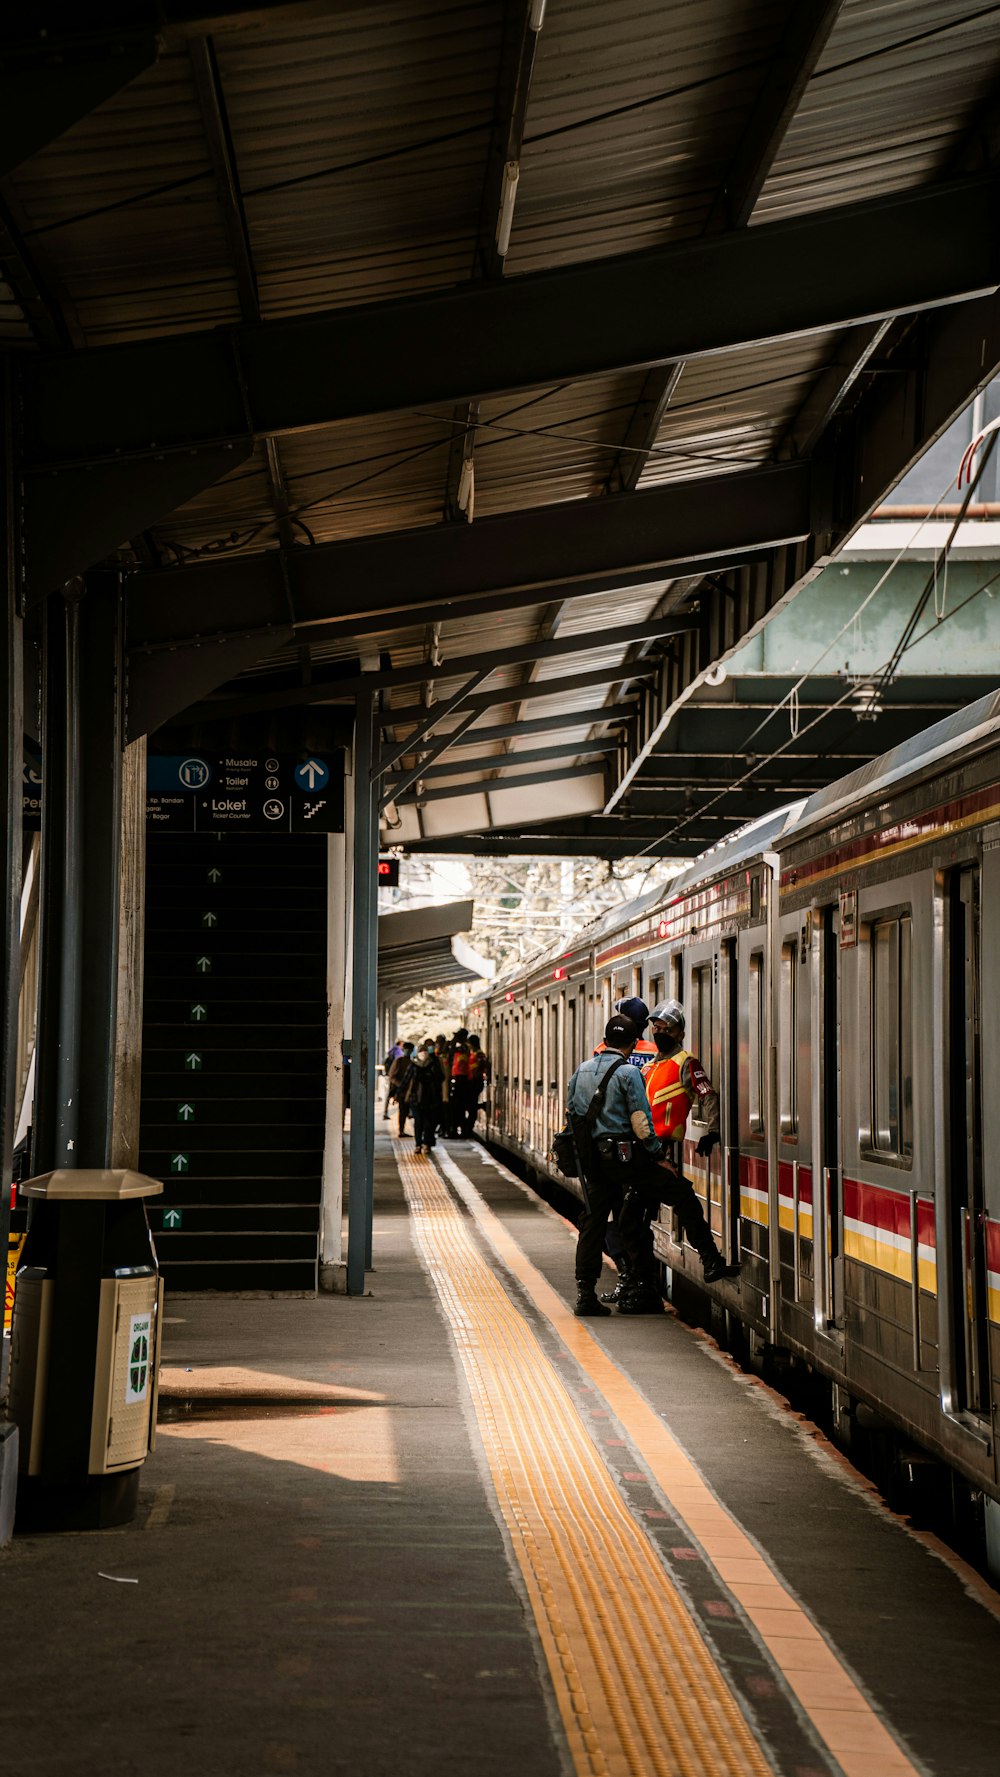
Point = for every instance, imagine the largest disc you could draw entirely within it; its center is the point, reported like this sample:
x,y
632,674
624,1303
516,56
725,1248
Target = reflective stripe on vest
x,y
669,1099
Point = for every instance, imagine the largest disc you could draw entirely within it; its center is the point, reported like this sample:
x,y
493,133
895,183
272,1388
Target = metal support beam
x,y
417,772
482,665
363,1008
795,276
799,50
517,559
484,700
522,781
622,712
801,45
83,744
11,794
426,721
571,749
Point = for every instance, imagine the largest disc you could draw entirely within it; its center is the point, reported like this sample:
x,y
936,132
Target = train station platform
x,y
447,1527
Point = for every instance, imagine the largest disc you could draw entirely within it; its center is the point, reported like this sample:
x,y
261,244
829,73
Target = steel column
x,y
80,873
12,697
363,1033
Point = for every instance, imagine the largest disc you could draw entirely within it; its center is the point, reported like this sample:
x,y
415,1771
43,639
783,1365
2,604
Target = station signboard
x,y
244,793
387,873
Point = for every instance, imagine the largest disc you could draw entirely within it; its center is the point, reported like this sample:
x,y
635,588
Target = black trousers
x,y
424,1125
632,1192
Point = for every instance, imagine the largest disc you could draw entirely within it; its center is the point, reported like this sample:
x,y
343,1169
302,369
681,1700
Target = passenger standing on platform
x,y
609,1113
643,1053
397,1075
478,1078
394,1054
459,1071
422,1089
675,1081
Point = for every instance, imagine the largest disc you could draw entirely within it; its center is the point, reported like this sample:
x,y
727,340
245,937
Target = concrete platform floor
x,y
324,1582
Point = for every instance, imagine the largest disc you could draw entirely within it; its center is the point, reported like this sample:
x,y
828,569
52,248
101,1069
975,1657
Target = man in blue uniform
x,y
623,1121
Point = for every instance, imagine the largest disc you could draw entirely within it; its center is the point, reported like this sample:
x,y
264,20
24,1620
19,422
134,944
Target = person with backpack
x,y
608,1112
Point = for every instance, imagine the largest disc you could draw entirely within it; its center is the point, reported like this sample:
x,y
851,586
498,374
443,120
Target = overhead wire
x,y
901,648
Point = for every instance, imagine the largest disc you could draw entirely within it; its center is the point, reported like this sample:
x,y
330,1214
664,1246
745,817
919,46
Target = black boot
x,y
641,1298
715,1268
621,1286
587,1303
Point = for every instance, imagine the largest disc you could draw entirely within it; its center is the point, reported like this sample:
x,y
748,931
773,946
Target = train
x,y
839,963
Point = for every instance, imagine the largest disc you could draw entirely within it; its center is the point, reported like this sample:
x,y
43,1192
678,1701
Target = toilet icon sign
x,y
313,775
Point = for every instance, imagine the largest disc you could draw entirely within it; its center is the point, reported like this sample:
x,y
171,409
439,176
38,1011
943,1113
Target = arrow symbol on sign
x,y
192,1061
215,875
199,1012
210,919
315,772
179,1163
185,1112
203,963
171,1218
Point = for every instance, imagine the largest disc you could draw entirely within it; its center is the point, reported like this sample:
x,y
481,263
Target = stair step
x,y
265,1274
276,1195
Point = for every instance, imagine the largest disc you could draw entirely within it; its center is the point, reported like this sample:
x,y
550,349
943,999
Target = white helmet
x,y
670,1013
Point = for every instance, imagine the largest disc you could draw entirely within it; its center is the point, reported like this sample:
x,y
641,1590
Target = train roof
x,y
968,729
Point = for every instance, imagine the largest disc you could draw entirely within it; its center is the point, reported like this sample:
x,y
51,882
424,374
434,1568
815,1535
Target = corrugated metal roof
x,y
897,86
362,141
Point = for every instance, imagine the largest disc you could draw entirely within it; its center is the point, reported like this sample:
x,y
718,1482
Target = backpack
x,y
573,1146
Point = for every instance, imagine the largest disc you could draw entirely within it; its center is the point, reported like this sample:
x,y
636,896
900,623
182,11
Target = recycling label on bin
x,y
137,1381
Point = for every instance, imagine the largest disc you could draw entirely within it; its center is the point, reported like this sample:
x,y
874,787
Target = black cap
x,y
620,1032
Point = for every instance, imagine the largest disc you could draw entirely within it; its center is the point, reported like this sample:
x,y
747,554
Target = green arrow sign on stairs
x,y
199,1013
192,1061
185,1112
215,875
171,1218
210,919
179,1163
204,963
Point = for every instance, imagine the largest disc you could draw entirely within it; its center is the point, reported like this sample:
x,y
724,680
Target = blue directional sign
x,y
313,775
248,793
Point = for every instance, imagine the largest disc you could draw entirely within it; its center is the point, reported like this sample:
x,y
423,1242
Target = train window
x,y
637,982
755,1003
787,1044
677,977
655,991
606,1004
700,1021
891,1038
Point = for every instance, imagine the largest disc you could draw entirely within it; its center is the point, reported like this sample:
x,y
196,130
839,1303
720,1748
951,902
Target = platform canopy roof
x,y
424,947
511,362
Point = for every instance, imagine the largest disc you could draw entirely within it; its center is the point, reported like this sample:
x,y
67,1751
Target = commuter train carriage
x,y
840,1018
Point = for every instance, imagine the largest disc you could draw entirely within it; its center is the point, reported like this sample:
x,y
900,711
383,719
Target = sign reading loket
x,y
248,793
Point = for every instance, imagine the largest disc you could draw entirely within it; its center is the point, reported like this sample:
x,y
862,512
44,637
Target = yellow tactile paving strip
x,y
636,1687
840,1713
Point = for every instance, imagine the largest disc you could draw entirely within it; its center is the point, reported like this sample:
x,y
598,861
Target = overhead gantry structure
x,y
494,374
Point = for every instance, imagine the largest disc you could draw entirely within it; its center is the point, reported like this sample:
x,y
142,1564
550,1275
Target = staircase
x,y
234,1057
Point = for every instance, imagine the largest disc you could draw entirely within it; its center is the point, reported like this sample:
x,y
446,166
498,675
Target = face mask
x,y
664,1041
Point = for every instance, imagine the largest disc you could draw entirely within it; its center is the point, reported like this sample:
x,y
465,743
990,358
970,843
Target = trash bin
x,y
85,1348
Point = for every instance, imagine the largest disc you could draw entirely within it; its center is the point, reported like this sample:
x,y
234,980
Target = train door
x,y
827,1180
966,1193
729,1126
